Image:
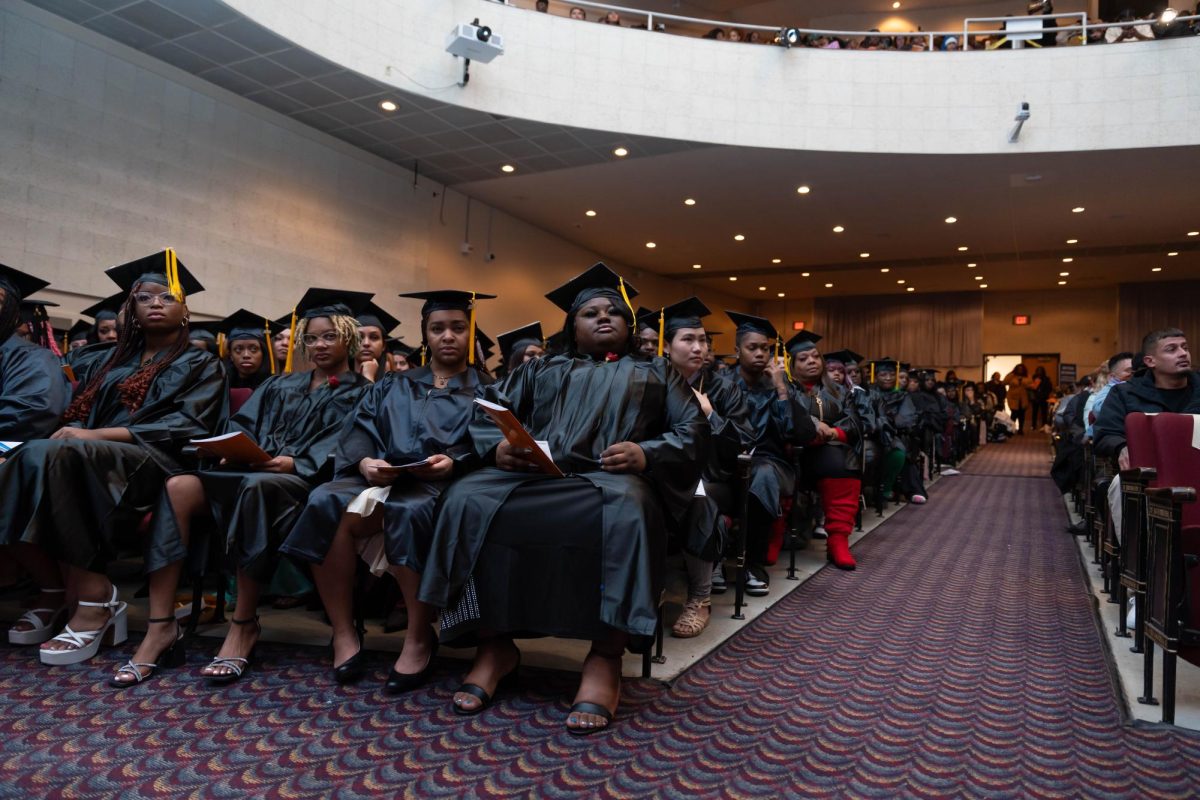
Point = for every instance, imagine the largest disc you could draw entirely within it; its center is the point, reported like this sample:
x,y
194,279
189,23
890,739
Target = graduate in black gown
x,y
780,424
33,389
521,345
646,337
704,531
248,357
295,418
406,417
897,420
517,552
78,336
102,335
65,498
374,327
400,355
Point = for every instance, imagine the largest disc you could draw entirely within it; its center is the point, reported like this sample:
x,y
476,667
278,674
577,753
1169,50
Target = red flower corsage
x,y
611,357
333,382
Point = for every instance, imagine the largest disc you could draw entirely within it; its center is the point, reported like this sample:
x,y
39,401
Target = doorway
x,y
1004,363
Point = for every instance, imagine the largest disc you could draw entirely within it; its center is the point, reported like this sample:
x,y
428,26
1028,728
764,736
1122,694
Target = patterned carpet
x,y
962,659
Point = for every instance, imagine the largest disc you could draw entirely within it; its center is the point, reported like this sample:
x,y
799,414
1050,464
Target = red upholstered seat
x,y
238,398
1139,437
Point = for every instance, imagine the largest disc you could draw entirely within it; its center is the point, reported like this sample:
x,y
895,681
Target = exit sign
x,y
798,325
1021,319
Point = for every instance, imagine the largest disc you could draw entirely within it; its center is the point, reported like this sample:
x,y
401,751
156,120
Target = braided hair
x,y
130,341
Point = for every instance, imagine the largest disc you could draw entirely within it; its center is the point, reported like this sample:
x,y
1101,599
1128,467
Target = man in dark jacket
x,y
1168,384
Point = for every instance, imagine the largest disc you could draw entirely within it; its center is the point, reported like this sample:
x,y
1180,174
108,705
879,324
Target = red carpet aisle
x,y
961,659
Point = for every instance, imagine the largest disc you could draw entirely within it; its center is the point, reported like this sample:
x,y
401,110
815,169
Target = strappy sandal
x,y
237,665
39,630
694,619
174,656
479,693
85,644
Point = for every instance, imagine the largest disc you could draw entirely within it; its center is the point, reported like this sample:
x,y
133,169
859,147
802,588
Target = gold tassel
x,y
471,339
779,353
66,344
287,366
872,372
424,352
221,349
662,327
625,296
270,354
174,286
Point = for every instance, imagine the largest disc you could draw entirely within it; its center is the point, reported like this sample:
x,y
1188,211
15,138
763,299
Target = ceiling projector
x,y
475,42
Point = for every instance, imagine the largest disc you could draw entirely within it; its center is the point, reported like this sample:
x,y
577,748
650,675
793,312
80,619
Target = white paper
x,y
6,447
1195,431
488,405
399,467
700,490
545,447
214,439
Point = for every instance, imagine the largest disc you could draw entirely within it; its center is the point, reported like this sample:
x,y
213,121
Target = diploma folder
x,y
517,436
234,447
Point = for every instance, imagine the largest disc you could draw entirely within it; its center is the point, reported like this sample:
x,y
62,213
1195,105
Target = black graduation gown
x,y
254,511
401,418
732,435
778,425
600,536
72,496
33,391
833,459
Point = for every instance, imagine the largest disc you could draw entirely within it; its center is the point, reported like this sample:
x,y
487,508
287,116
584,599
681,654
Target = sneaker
x,y
819,532
755,586
718,579
917,499
1131,616
950,471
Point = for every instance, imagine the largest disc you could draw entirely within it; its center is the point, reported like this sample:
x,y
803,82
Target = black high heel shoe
x,y
353,668
174,656
401,682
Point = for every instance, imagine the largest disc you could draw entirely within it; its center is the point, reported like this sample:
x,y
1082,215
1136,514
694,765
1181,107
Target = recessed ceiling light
x,y
978,277
805,274
651,245
776,260
1078,210
508,168
1156,269
733,277
620,152
739,238
590,213
1063,274
1068,260
1172,253
781,294
388,105
885,269
1072,241
983,286
910,289
972,265
689,202
864,255
962,249
951,220
762,288
902,281
829,286
896,4
1062,283
839,229
802,190
697,266
1193,233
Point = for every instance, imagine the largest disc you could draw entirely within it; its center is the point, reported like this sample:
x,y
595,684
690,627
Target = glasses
x,y
311,339
146,298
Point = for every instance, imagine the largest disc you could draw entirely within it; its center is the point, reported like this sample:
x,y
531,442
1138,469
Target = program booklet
x,y
517,436
236,447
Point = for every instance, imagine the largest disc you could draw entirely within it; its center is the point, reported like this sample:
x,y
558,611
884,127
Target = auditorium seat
x,y
1142,474
238,398
1173,551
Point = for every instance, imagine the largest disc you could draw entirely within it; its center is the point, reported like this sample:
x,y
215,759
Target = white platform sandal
x,y
85,644
40,630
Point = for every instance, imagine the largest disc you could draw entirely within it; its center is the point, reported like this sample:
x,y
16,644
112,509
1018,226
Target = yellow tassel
x,y
424,353
872,372
287,366
66,344
662,327
787,370
625,296
471,340
174,286
221,349
270,354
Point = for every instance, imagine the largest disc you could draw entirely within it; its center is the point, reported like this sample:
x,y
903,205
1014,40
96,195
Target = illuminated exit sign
x,y
1021,319
798,325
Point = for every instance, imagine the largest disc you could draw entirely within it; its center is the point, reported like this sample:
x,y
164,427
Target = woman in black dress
x,y
419,415
132,414
295,418
517,552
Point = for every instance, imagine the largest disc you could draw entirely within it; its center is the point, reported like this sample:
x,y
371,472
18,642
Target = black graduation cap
x,y
446,300
803,340
243,324
904,367
106,308
520,338
20,283
647,318
485,342
748,323
29,308
843,356
330,302
885,364
397,346
598,280
372,316
205,331
687,313
80,330
153,268
556,343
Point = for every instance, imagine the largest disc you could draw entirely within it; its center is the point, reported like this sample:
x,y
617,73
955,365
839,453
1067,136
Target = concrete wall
x,y
108,155
608,78
1079,324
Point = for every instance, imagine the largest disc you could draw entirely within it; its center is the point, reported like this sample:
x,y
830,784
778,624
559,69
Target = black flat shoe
x,y
401,682
478,692
352,669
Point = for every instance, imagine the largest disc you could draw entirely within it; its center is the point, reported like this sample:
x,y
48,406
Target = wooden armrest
x,y
1173,494
1140,474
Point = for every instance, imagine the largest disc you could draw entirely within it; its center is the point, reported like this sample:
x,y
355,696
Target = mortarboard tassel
x,y
787,370
221,350
625,296
287,366
270,354
872,372
424,352
662,326
66,344
174,286
471,339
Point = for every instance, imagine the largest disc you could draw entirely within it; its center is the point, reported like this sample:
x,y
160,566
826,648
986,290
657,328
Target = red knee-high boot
x,y
839,499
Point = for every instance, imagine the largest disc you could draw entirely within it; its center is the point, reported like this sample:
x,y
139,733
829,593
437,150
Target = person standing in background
x,y
1039,398
998,390
1018,384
